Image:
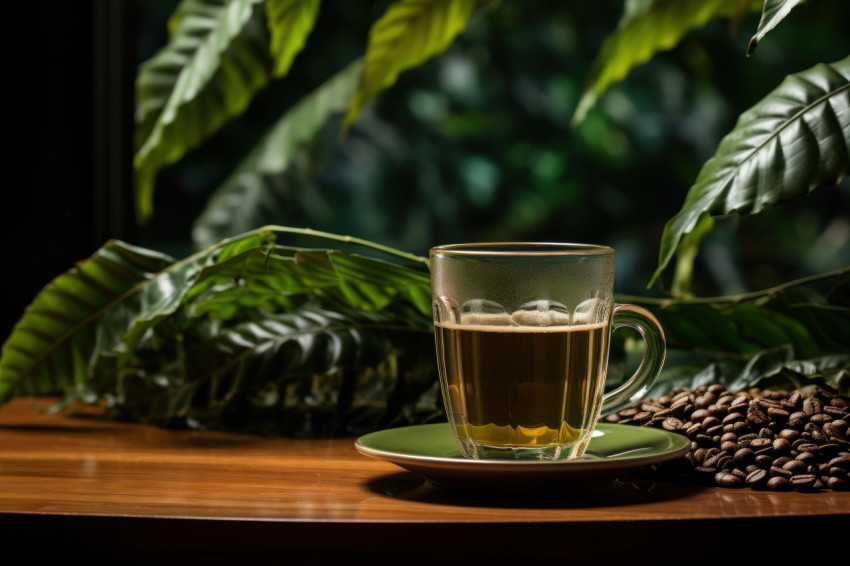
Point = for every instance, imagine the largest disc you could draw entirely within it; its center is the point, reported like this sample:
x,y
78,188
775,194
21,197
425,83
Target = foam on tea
x,y
523,380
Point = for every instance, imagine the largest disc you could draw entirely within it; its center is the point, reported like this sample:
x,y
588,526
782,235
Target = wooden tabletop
x,y
99,484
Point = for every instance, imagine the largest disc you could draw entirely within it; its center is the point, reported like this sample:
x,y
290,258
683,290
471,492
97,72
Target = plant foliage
x,y
774,11
793,141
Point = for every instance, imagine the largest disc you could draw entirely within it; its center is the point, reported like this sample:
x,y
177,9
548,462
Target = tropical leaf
x,y
795,314
409,33
79,315
90,324
260,181
647,27
290,22
793,141
271,277
317,371
215,61
774,11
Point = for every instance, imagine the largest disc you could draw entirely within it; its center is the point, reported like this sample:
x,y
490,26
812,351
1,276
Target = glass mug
x,y
522,333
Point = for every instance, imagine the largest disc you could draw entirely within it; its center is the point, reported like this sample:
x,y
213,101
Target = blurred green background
x,y
474,145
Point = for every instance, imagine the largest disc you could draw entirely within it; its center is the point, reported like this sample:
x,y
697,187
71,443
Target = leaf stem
x,y
730,299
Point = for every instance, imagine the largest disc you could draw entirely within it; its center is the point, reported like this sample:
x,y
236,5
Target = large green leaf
x,y
79,315
290,22
215,61
91,322
774,11
647,27
242,201
309,370
409,33
793,141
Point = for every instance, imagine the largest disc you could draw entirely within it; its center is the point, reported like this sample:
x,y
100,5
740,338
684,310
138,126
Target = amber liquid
x,y
522,386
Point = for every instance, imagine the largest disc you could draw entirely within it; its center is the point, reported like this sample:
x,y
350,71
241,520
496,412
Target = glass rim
x,y
521,249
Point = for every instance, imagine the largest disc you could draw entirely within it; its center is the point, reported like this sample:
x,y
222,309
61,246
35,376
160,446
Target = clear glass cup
x,y
522,333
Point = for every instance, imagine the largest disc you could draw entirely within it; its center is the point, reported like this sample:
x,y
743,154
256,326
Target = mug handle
x,y
655,350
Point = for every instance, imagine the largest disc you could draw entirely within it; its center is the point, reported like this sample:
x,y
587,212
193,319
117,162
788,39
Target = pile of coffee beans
x,y
772,440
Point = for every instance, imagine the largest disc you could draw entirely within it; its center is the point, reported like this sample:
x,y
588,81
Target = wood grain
x,y
195,489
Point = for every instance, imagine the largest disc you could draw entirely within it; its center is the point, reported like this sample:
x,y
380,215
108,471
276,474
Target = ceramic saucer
x,y
431,451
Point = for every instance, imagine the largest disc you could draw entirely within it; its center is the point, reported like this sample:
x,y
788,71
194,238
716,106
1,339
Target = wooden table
x,y
93,488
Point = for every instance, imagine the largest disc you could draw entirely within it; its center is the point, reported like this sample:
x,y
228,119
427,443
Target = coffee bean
x,y
756,416
780,472
778,415
794,466
766,433
812,406
699,415
733,418
743,456
840,462
789,434
757,478
806,457
778,484
725,479
798,419
837,484
803,482
763,460
781,445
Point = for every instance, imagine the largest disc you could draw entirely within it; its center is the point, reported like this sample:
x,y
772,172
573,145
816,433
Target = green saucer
x,y
431,451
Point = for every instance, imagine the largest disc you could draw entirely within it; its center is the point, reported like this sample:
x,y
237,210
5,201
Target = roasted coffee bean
x,y
778,415
757,478
798,419
837,484
840,462
806,457
733,418
725,479
776,472
756,416
754,432
820,418
743,456
699,415
789,434
778,483
763,460
812,406
794,466
803,482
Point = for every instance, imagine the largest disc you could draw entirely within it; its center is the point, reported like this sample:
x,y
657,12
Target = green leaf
x,y
290,22
309,370
241,202
215,61
793,141
79,315
89,325
774,11
647,27
409,33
